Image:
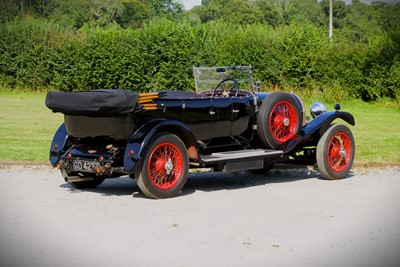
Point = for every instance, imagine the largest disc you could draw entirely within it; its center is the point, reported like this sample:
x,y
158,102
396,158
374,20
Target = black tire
x,y
335,152
87,184
279,119
165,167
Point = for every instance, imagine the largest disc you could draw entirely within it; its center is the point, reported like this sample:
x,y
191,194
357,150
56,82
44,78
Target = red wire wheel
x,y
335,152
165,167
283,121
338,152
279,119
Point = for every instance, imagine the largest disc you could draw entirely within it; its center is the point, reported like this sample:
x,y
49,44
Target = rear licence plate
x,y
82,165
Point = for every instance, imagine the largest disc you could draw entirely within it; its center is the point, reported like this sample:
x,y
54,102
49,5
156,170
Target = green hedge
x,y
38,55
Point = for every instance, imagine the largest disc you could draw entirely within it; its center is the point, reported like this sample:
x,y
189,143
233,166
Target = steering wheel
x,y
221,84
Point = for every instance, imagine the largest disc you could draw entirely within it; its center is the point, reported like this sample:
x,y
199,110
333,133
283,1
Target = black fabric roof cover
x,y
96,103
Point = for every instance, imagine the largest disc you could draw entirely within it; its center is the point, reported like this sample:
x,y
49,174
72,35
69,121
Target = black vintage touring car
x,y
227,125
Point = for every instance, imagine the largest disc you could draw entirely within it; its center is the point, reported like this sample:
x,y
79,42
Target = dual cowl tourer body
x,y
227,125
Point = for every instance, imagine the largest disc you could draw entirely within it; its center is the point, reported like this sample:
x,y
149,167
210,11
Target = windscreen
x,y
207,78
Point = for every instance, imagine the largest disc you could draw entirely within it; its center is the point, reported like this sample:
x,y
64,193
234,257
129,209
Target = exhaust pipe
x,y
72,179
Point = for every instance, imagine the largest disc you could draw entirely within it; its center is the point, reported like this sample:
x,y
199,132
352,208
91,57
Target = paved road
x,y
288,218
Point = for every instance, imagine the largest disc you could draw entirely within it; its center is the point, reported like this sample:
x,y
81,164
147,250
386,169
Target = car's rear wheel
x,y
335,152
165,167
279,119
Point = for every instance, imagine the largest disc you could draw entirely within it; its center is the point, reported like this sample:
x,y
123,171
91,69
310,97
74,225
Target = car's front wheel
x,y
335,152
165,167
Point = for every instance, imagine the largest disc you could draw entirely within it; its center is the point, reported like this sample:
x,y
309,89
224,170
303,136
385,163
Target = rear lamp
x,y
100,170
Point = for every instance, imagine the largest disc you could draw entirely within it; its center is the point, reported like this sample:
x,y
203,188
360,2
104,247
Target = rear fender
x,y
142,137
58,144
319,125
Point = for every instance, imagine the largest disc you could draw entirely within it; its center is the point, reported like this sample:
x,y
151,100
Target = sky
x,y
188,4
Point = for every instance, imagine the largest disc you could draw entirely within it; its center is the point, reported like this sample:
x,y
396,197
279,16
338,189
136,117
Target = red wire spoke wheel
x,y
283,121
338,152
279,119
165,167
335,152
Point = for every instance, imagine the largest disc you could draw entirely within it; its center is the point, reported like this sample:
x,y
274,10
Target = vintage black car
x,y
226,125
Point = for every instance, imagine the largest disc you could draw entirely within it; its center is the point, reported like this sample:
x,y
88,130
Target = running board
x,y
241,159
240,155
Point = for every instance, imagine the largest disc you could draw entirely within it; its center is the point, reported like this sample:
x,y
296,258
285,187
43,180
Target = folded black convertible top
x,y
96,103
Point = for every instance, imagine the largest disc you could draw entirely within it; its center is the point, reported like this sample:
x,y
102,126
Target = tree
x,y
8,10
74,13
361,21
270,12
340,11
134,14
390,17
126,13
104,12
241,12
304,11
164,8
209,10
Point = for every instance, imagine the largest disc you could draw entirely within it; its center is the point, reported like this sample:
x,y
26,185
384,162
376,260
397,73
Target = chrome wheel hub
x,y
343,153
169,166
286,122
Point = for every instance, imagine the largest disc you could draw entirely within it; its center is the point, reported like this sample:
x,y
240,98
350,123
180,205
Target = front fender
x,y
319,124
325,119
142,137
58,144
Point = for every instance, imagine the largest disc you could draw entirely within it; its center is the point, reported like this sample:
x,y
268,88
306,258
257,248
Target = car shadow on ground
x,y
205,181
214,181
121,186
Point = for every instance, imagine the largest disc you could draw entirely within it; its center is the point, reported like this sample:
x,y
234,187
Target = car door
x,y
241,109
221,116
198,117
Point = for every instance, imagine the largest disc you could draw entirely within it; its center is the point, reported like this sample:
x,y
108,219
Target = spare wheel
x,y
278,119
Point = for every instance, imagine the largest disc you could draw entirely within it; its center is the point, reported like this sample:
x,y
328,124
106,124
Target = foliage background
x,y
152,45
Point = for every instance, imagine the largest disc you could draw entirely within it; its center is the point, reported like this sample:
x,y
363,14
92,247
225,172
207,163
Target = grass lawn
x,y
376,133
27,128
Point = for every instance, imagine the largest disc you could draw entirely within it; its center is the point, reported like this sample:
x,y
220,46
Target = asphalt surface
x,y
286,218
